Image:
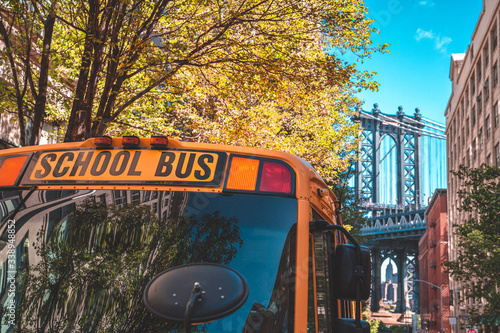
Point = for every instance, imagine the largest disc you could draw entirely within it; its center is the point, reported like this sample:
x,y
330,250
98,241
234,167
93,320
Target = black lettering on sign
x,y
202,162
57,170
81,163
45,165
175,166
96,171
187,171
164,167
132,171
115,170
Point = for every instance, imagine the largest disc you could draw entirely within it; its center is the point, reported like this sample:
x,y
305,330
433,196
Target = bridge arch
x,y
396,225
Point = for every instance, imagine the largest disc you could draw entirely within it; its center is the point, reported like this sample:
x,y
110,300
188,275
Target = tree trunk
x,y
76,130
41,98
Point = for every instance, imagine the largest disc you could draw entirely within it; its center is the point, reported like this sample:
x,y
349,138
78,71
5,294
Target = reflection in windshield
x,y
276,317
92,253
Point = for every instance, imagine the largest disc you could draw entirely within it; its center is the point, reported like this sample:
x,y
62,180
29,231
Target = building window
x,y
135,196
486,90
494,75
486,55
480,137
497,155
474,151
102,199
473,84
452,131
488,128
455,155
479,104
495,111
494,37
473,115
120,198
479,71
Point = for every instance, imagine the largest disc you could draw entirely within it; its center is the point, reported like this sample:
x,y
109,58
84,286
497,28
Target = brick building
x,y
473,128
433,250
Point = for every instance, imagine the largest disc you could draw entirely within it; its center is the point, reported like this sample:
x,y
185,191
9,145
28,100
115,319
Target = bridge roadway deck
x,y
409,225
395,236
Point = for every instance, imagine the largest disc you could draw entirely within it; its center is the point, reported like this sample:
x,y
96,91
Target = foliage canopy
x,y
477,265
246,72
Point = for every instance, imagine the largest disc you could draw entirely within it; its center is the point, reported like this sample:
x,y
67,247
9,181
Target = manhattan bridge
x,y
402,162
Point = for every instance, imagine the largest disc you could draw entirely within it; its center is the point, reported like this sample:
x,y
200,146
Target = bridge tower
x,y
405,133
394,228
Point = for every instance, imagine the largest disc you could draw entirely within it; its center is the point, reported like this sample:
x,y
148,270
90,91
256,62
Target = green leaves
x,y
478,233
94,264
247,72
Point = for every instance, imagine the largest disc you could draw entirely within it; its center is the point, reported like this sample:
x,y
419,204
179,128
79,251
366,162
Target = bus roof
x,y
164,164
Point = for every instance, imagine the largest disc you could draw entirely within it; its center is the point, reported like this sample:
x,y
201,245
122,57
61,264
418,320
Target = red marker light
x,y
276,177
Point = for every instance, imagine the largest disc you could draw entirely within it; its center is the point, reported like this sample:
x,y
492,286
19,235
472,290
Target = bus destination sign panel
x,y
172,167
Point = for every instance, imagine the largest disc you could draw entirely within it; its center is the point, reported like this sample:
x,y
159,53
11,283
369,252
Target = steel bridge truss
x,y
393,231
406,133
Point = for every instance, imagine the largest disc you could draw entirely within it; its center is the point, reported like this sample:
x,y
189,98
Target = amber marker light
x,y
10,169
103,141
130,141
159,141
243,174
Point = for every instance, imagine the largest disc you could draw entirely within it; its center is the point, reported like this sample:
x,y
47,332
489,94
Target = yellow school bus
x,y
156,235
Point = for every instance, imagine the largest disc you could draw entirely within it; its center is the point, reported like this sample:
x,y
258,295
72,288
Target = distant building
x,y
473,131
389,287
389,273
433,250
9,132
390,291
9,122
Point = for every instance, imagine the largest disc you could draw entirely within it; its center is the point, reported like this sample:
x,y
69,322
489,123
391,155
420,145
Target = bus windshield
x,y
79,260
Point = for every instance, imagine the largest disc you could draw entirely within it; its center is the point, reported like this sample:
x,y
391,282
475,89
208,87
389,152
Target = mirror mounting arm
x,y
194,297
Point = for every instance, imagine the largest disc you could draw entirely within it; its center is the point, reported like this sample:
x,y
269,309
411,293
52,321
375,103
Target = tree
x,y
95,264
477,265
24,49
254,72
353,216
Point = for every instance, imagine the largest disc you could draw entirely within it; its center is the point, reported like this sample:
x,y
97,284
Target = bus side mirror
x,y
351,276
346,273
192,293
352,279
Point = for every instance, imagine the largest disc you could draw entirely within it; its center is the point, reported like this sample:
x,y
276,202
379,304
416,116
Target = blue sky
x,y
422,35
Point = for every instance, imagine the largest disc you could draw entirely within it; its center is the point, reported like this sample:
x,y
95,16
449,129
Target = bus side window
x,y
320,311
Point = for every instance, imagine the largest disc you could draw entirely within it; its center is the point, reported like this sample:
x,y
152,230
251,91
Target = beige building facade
x,y
472,128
